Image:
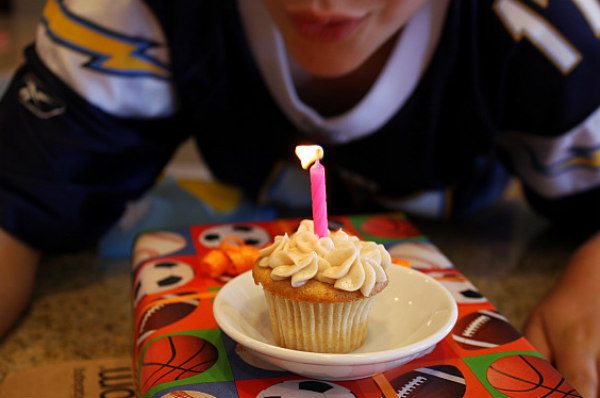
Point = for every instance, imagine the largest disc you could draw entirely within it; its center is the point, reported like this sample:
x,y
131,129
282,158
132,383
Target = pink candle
x,y
307,155
319,198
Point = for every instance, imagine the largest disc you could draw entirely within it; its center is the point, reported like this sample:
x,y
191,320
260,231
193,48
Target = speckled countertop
x,y
511,254
81,307
80,310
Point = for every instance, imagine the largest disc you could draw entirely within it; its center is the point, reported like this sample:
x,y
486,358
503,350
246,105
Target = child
x,y
422,105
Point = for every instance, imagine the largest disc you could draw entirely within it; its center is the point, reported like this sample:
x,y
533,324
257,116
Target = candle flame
x,y
308,154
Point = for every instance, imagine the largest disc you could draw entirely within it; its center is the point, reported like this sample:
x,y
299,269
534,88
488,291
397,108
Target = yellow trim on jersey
x,y
593,160
110,52
541,3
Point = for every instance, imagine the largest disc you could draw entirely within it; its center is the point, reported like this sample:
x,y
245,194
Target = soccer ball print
x,y
160,276
306,389
251,235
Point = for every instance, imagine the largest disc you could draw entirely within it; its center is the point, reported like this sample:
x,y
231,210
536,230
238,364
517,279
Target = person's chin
x,y
328,67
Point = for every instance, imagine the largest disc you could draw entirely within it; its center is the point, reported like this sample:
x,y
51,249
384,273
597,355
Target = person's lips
x,y
324,27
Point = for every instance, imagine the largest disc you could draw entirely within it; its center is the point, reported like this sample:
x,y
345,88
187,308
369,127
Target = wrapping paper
x,y
180,352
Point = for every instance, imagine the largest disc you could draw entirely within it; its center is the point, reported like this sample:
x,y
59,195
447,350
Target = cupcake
x,y
320,291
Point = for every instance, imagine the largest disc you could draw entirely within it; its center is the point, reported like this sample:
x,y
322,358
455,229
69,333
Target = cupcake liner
x,y
319,327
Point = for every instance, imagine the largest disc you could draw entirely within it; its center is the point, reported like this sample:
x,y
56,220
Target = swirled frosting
x,y
339,259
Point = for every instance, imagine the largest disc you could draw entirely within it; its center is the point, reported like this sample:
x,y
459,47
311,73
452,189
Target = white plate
x,y
410,316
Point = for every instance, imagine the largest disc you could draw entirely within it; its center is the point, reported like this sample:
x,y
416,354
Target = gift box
x,y
179,350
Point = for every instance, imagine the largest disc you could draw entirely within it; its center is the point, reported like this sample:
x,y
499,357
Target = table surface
x,y
81,307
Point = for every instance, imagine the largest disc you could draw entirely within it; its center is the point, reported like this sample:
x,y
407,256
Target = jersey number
x,y
521,21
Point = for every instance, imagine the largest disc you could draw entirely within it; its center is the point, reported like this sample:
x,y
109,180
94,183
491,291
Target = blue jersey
x,y
105,96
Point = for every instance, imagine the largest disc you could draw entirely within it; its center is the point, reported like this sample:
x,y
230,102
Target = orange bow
x,y
231,258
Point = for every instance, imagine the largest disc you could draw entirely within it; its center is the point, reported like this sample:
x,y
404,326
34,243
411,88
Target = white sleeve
x,y
112,53
555,167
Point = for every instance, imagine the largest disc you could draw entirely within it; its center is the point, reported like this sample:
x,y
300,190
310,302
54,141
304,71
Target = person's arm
x,y
565,325
18,266
549,117
80,139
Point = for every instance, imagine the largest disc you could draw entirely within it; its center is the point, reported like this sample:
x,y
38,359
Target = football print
x,y
528,376
483,329
306,389
440,381
161,315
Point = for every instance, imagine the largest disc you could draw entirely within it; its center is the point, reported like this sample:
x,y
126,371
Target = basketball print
x,y
440,381
521,376
483,329
175,358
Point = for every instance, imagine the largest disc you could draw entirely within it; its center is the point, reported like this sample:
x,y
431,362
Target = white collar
x,y
399,77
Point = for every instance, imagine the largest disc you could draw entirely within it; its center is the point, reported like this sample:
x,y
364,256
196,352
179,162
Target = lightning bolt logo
x,y
109,51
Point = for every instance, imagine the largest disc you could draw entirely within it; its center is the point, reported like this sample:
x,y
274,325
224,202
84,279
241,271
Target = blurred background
x,y
18,19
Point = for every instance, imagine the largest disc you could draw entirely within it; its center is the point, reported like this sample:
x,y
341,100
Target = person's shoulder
x,y
565,33
537,60
110,55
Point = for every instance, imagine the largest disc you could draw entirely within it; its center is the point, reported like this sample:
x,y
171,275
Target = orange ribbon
x,y
401,262
384,385
232,257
